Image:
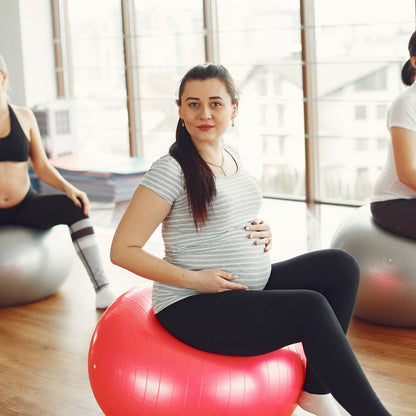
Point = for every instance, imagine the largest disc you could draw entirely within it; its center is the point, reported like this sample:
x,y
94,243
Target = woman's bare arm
x,y
143,215
404,149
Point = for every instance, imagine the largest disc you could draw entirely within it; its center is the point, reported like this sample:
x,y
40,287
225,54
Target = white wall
x,y
26,43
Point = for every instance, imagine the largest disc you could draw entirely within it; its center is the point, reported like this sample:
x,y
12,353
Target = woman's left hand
x,y
261,232
77,196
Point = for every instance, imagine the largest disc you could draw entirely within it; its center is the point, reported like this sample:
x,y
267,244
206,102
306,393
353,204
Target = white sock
x,y
104,297
318,404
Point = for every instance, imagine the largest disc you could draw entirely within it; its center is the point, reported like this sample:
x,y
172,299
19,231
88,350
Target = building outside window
x,y
97,74
260,42
360,48
360,112
169,40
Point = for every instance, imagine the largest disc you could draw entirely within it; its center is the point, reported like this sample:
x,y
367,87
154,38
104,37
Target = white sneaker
x,y
104,297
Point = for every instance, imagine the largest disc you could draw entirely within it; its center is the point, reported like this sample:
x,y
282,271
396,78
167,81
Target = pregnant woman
x,y
215,289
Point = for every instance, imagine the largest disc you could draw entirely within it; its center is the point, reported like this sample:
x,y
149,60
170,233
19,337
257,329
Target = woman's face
x,y
206,109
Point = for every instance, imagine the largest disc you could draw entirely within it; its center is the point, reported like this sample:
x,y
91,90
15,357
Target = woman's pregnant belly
x,y
232,252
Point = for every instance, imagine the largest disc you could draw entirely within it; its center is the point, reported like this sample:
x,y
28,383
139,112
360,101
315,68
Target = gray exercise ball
x,y
33,263
387,291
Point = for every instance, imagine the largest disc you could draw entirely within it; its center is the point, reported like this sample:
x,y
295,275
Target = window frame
x,y
62,45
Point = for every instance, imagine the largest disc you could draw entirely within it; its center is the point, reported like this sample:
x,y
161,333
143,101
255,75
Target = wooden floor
x,y
44,345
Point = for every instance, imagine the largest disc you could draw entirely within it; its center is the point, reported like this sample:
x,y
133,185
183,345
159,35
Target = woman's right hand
x,y
215,281
77,196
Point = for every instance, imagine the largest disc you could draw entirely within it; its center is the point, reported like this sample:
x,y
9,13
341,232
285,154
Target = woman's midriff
x,y
14,183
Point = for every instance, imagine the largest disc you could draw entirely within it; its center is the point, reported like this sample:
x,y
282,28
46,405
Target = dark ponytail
x,y
408,70
199,178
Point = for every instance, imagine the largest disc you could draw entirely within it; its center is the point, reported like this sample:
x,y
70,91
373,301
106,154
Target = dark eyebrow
x,y
211,98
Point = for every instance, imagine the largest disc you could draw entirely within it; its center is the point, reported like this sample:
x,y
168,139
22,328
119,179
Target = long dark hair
x,y
199,178
408,71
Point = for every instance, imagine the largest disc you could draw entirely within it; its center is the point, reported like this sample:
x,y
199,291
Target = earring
x,y
232,122
183,124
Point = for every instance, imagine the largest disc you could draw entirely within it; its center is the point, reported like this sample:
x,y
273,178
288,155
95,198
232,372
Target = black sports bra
x,y
15,147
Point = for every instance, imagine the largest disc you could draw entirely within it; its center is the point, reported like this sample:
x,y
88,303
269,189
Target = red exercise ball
x,y
137,368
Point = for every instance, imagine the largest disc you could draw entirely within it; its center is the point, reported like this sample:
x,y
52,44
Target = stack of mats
x,y
106,180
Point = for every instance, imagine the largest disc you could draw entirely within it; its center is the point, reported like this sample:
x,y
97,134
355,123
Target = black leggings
x,y
308,299
42,211
397,216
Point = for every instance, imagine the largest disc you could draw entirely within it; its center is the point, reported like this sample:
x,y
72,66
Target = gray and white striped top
x,y
222,243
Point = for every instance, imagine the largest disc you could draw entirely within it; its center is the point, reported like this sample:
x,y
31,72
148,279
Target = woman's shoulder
x,y
166,162
165,178
234,154
231,150
166,167
23,114
402,111
405,97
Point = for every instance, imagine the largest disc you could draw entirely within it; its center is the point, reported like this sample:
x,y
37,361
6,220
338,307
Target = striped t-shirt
x,y
222,243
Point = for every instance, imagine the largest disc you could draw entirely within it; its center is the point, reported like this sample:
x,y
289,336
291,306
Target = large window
x,y
360,48
127,57
110,48
97,76
169,40
260,42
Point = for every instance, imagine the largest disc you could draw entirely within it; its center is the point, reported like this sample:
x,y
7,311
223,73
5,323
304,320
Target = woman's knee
x,y
70,212
318,311
316,301
346,268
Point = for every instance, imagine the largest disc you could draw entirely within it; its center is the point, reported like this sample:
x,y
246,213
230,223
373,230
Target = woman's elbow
x,y
115,254
123,254
408,178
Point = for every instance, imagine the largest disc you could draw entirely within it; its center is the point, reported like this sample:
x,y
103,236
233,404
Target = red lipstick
x,y
205,127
